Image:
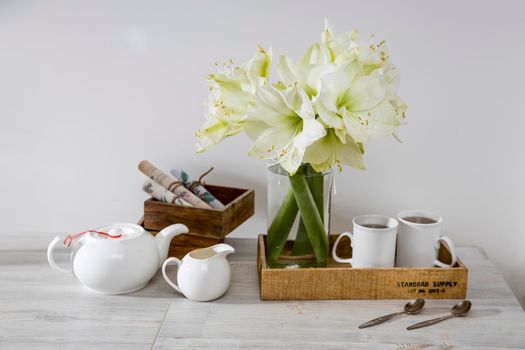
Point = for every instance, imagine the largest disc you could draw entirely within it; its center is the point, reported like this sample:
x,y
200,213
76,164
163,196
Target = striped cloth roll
x,y
161,194
197,188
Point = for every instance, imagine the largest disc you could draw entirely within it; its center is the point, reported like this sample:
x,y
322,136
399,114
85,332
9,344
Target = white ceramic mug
x,y
371,247
418,242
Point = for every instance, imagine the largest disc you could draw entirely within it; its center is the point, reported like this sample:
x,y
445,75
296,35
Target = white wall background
x,y
89,88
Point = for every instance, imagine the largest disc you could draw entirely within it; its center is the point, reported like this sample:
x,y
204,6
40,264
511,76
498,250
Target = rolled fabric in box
x,y
171,184
197,188
161,194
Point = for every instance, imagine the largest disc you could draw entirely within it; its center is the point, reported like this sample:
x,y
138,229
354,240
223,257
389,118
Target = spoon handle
x,y
429,322
379,320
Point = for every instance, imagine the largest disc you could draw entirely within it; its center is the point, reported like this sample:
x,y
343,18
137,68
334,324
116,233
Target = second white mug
x,y
373,242
419,238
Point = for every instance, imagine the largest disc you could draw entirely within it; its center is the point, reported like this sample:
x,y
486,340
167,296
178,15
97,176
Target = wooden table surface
x,y
43,309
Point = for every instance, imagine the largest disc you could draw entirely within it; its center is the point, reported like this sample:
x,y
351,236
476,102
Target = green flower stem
x,y
282,224
302,245
316,184
311,218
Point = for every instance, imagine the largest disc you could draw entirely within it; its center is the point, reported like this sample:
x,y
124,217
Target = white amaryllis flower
x,y
363,106
350,46
231,96
330,150
308,71
283,126
340,94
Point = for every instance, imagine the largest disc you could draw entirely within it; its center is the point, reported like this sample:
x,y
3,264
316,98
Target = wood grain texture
x,y
341,281
217,223
41,309
240,320
44,309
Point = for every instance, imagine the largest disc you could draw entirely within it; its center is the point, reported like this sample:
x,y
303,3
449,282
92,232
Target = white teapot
x,y
117,258
203,274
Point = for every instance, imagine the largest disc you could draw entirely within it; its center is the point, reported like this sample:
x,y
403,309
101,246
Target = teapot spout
x,y
223,249
164,238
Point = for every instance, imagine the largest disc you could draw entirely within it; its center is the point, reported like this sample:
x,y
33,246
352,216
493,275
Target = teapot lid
x,y
119,231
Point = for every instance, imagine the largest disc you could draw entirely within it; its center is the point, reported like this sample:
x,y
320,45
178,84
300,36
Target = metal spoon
x,y
411,308
458,310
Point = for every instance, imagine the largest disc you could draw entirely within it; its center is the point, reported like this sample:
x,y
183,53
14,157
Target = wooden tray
x,y
213,223
341,281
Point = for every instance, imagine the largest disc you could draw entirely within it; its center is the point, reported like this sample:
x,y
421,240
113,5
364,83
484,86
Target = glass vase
x,y
298,217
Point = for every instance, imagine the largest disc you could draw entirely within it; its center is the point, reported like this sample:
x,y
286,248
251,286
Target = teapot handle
x,y
51,259
166,263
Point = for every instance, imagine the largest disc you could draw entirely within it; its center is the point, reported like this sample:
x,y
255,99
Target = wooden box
x,y
341,281
214,223
207,226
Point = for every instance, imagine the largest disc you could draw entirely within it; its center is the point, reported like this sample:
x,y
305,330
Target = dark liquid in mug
x,y
420,220
374,226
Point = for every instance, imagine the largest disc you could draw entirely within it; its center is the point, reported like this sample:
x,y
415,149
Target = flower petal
x,y
297,99
312,75
317,54
349,154
341,134
311,132
254,127
271,140
340,80
334,86
259,66
308,75
271,106
329,151
285,68
327,35
392,75
366,93
326,108
320,154
211,133
228,93
380,121
292,160
355,126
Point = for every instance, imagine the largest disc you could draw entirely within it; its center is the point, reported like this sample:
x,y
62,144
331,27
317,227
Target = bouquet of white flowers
x,y
340,94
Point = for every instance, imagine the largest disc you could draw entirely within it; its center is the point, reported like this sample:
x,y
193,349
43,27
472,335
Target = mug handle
x,y
334,254
450,245
166,263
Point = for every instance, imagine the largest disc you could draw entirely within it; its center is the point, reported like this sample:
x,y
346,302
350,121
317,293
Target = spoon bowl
x,y
461,308
415,306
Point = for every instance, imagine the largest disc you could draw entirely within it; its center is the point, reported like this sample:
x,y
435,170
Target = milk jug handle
x,y
51,259
166,263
